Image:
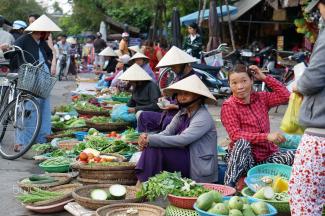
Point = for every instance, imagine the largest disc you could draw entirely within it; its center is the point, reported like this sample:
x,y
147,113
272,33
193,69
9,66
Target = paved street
x,y
12,171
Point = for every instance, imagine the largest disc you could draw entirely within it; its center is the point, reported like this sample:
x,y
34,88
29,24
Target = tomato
x,y
83,156
90,156
97,159
113,134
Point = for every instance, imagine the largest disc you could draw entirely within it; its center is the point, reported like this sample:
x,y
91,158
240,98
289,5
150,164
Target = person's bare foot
x,y
17,147
138,186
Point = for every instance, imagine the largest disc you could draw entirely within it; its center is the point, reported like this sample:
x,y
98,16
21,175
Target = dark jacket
x,y
145,97
111,65
31,48
312,86
99,45
195,45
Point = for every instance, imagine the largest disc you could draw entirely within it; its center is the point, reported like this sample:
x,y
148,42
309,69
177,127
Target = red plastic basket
x,y
188,202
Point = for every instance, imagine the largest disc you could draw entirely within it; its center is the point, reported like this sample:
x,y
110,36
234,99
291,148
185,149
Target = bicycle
x,y
22,115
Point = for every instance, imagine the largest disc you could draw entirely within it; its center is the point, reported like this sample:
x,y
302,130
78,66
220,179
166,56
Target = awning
x,y
243,6
190,18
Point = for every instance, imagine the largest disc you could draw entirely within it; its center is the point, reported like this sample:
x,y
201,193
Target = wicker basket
x,y
82,196
68,144
111,126
130,182
93,113
188,202
61,177
65,189
50,137
120,209
281,206
73,128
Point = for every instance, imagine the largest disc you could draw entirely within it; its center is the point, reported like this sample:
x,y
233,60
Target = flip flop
x,y
17,147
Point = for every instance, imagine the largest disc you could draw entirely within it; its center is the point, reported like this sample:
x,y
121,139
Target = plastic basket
x,y
272,210
188,202
174,211
281,206
55,169
121,99
35,80
256,180
272,170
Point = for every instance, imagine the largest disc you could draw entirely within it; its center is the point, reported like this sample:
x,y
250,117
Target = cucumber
x,y
44,181
40,177
117,192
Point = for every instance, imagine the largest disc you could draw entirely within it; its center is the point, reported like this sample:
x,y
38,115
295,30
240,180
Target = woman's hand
x,y
131,110
143,141
257,73
4,46
276,138
170,107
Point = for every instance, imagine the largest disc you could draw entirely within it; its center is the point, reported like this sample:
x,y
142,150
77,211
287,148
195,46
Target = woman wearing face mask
x,y
142,61
188,144
145,92
179,62
245,117
307,183
35,45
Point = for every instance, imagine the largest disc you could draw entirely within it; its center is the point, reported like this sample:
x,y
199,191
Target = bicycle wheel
x,y
165,78
4,97
19,126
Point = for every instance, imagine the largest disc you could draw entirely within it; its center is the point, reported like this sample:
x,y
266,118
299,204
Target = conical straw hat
x,y
138,56
118,52
175,56
135,73
107,52
43,23
191,84
135,49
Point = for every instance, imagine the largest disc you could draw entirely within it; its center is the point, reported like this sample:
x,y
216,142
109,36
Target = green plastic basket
x,y
174,211
271,169
281,206
55,169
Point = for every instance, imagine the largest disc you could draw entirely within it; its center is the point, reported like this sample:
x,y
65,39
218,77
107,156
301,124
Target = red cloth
x,y
251,121
153,60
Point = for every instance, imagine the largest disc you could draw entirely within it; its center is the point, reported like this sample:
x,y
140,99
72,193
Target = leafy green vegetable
x,y
130,135
100,119
123,94
57,161
41,147
38,195
84,97
82,105
64,108
166,183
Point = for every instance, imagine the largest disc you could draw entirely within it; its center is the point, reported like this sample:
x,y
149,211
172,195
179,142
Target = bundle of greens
x,y
38,195
64,108
166,183
100,119
82,105
130,135
41,147
66,123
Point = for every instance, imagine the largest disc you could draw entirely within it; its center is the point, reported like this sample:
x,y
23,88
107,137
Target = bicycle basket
x,y
35,80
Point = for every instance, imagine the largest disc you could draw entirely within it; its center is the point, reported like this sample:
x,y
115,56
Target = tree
x,y
19,9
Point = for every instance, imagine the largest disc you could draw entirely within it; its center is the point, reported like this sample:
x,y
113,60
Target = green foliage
x,y
19,9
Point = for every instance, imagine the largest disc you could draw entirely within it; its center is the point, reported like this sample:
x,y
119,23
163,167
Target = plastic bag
x,y
120,112
290,121
292,141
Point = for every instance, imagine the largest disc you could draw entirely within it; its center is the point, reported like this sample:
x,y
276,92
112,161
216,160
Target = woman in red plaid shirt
x,y
245,117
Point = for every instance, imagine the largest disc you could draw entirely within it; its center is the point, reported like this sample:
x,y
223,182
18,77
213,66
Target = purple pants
x,y
155,160
154,121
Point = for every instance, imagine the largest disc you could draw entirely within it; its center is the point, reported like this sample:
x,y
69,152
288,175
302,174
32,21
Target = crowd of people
x,y
181,136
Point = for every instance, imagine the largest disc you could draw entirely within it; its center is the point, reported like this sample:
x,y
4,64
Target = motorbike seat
x,y
207,68
12,76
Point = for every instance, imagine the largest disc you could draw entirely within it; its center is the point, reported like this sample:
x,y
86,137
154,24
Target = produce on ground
x,y
94,157
38,195
115,192
41,147
166,183
67,122
57,161
64,108
212,202
85,106
130,135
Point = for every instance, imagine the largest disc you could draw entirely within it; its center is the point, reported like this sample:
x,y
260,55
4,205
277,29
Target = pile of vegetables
x,y
130,135
41,147
84,97
38,195
166,183
64,108
56,161
39,179
93,156
123,95
100,120
115,192
213,203
67,122
82,105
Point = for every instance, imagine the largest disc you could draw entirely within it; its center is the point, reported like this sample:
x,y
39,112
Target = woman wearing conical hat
x,y
142,61
188,144
110,62
35,44
145,92
179,62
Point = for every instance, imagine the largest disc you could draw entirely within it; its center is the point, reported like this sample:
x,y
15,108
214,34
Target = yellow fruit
x,y
280,185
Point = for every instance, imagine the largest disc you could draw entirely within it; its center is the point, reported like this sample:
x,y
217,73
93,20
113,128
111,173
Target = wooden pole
x,y
230,27
202,14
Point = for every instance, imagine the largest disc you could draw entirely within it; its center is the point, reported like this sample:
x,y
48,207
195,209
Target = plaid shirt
x,y
251,121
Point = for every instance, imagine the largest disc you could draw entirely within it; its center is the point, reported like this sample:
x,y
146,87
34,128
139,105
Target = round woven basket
x,y
82,196
67,144
123,166
120,209
62,129
61,177
66,190
50,137
188,202
85,181
111,126
93,113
